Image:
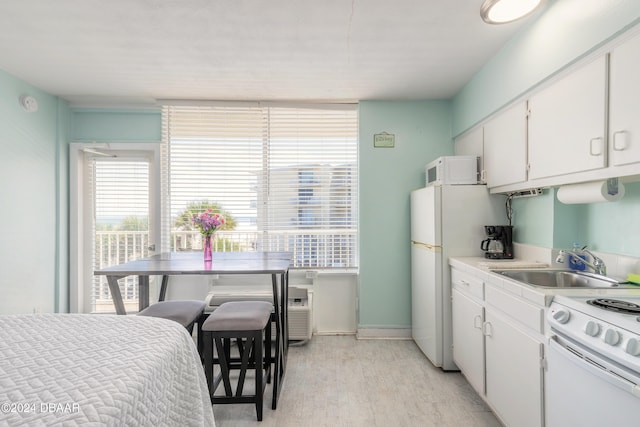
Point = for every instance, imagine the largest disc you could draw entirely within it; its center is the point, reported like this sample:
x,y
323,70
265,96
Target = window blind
x,y
119,194
285,177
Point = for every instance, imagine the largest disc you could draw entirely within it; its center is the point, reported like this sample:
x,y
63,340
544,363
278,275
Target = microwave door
x,y
432,174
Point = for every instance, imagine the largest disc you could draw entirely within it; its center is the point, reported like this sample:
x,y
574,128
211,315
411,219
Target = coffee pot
x,y
499,242
492,246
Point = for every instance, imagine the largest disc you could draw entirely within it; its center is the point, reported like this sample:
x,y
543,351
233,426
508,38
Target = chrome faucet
x,y
597,266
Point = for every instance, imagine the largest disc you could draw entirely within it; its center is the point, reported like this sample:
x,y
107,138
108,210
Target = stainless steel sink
x,y
562,279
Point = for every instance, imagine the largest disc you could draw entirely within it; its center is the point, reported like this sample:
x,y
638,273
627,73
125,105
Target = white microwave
x,y
452,170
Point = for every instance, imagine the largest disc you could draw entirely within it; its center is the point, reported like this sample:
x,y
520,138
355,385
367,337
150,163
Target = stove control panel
x,y
597,333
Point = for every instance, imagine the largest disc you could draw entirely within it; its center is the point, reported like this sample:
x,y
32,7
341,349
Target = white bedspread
x,y
100,370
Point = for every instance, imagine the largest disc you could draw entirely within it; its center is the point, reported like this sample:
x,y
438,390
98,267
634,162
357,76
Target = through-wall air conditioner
x,y
300,314
300,307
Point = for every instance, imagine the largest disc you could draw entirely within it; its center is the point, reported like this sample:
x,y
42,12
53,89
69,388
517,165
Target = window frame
x,y
353,183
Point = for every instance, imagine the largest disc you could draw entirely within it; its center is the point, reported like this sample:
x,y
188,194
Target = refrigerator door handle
x,y
432,248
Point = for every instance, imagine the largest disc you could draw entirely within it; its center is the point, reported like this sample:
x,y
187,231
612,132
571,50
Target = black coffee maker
x,y
499,242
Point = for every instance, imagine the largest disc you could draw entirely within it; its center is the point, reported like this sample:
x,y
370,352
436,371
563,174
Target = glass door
x,y
114,206
120,224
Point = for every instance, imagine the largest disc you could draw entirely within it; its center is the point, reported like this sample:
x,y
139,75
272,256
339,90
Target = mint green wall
x,y
387,176
612,227
34,169
531,220
568,223
106,125
605,227
543,221
30,187
564,32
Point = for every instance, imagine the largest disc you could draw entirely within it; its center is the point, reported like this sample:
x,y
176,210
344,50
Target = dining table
x,y
274,264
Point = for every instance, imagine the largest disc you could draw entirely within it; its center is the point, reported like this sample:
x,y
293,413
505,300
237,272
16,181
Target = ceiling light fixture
x,y
504,11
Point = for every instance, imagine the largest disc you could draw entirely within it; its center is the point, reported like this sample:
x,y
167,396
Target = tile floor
x,y
341,381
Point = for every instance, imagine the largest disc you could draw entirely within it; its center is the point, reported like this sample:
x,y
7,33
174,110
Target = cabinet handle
x,y
464,282
477,322
623,139
487,329
483,175
598,147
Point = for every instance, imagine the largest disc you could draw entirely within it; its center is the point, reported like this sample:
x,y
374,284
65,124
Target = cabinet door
x,y
468,342
505,147
470,144
624,94
567,123
514,372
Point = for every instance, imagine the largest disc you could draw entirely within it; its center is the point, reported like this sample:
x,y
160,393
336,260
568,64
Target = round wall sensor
x,y
29,103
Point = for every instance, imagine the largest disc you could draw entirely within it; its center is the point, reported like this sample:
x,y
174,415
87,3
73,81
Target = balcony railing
x,y
309,248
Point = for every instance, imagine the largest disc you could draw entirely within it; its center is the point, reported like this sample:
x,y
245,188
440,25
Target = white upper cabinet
x,y
505,147
470,144
567,123
624,107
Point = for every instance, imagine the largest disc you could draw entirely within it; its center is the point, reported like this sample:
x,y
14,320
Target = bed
x,y
106,370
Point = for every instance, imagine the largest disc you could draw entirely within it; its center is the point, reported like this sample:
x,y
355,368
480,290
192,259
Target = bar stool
x,y
185,312
249,323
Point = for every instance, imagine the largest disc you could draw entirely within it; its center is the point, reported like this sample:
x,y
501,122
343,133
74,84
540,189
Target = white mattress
x,y
100,370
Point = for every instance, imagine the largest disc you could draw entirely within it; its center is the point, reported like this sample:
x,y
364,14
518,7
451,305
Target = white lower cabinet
x,y
498,345
468,342
514,372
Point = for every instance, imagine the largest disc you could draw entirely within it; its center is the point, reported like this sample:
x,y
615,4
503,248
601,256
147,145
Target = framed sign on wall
x,y
384,140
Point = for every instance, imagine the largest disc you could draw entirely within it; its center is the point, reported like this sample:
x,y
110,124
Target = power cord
x,y
508,207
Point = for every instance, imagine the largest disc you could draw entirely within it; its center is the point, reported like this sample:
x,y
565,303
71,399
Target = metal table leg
x,y
163,288
282,333
116,296
279,345
143,292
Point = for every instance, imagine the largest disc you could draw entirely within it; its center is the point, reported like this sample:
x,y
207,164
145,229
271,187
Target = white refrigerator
x,y
446,221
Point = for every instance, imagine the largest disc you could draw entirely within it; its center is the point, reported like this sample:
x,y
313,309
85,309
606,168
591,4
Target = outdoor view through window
x,y
284,178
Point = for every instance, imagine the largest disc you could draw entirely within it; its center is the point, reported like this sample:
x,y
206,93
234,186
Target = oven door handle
x,y
596,365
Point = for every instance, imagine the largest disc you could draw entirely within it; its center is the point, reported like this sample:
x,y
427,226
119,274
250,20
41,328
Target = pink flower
x,y
208,222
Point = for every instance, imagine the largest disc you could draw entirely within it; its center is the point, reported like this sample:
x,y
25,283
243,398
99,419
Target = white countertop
x,y
481,267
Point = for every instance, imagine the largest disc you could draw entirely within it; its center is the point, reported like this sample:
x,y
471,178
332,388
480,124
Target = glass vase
x,y
207,248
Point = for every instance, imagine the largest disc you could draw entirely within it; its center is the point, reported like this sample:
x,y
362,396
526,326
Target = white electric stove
x,y
592,375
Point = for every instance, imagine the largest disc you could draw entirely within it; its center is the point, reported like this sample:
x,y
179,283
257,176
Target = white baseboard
x,y
383,333
334,333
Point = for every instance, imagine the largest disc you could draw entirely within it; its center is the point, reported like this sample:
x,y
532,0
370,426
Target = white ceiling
x,y
131,52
